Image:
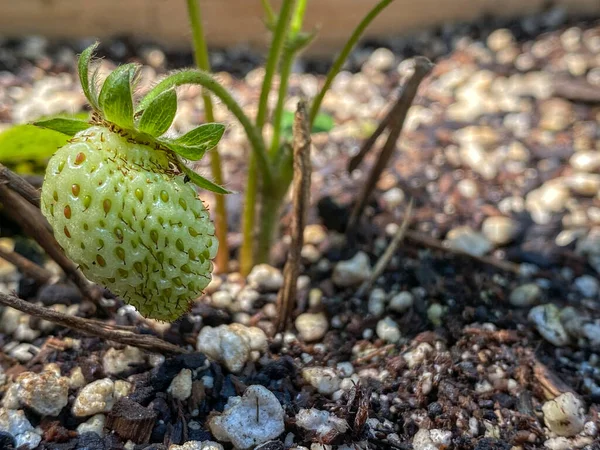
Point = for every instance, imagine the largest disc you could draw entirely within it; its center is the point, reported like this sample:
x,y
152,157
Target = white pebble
x,y
250,420
181,386
324,379
546,319
587,285
387,330
525,295
320,422
94,424
231,344
353,271
376,304
16,424
46,393
197,445
564,415
116,361
312,327
402,302
264,277
96,397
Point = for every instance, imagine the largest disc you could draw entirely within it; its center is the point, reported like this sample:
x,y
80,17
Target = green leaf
x,y
115,100
202,182
196,143
63,125
84,75
159,115
28,142
323,123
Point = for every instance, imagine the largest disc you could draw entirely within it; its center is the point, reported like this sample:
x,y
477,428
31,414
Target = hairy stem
x,y
285,70
203,63
205,80
275,50
341,59
249,215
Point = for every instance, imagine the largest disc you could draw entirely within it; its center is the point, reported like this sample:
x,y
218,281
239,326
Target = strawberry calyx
x,y
146,122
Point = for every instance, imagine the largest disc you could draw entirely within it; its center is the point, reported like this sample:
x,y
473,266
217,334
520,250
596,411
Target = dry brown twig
x,y
395,122
286,300
26,266
90,327
385,259
19,185
35,225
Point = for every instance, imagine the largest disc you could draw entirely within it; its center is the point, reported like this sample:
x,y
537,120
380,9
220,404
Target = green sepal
x,y
70,127
83,67
115,100
202,182
158,116
194,144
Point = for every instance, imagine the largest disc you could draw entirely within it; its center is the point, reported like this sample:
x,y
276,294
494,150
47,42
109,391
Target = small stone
x,y
587,285
312,327
10,320
376,303
564,415
525,295
467,240
221,299
585,161
96,397
116,361
122,389
499,230
546,319
266,278
467,188
250,420
46,393
382,59
324,379
310,253
322,423
76,379
435,313
314,234
415,357
387,329
231,344
181,386
16,424
500,39
353,271
583,183
402,302
197,445
94,424
24,352
393,198
557,114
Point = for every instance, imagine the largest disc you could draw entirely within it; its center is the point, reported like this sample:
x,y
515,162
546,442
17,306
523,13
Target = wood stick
x,y
19,185
422,67
385,259
26,266
35,226
147,342
286,300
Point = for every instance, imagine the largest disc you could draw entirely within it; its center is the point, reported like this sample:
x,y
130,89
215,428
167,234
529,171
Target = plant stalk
x,y
341,59
203,63
249,215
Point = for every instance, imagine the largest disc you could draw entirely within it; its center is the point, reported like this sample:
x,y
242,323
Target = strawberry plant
x,y
120,198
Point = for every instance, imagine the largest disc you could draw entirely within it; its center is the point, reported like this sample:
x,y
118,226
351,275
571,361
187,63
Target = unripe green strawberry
x,y
120,213
120,201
